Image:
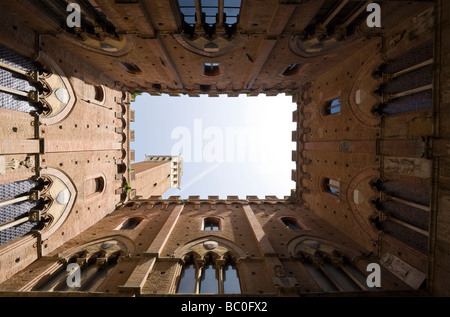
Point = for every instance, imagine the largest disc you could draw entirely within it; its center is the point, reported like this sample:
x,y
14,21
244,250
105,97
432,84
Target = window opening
x,y
211,224
332,186
291,224
333,106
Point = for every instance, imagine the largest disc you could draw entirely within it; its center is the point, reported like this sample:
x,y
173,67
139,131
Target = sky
x,y
231,146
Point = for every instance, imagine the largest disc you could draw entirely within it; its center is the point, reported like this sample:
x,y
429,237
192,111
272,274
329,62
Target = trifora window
x,y
210,275
212,16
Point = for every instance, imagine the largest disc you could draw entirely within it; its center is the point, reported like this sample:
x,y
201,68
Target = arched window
x,y
130,223
211,13
187,279
209,279
292,69
93,186
210,275
211,224
99,94
332,186
231,284
94,92
332,106
291,223
131,68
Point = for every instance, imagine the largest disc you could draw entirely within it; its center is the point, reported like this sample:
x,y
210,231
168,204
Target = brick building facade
x,y
372,181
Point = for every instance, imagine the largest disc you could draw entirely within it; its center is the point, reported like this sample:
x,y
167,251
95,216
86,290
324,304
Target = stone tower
x,y
155,175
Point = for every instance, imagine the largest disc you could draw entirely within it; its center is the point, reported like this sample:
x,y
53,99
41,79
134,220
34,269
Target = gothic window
x,y
291,224
187,279
332,186
209,281
210,10
231,284
403,212
94,269
231,10
333,106
210,275
15,204
329,269
211,224
212,13
211,69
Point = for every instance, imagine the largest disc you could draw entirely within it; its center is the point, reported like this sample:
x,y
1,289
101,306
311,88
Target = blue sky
x,y
235,146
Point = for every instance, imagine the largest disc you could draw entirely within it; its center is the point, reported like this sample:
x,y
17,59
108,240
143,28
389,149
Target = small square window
x,y
211,69
211,224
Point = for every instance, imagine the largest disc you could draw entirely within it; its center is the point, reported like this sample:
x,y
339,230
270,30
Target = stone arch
x,y
201,246
222,46
69,93
109,46
365,72
363,221
61,210
99,253
291,246
110,244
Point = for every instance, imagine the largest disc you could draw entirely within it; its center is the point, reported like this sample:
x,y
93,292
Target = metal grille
x,y
11,80
7,213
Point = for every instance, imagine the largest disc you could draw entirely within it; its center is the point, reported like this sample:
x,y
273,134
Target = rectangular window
x,y
211,224
211,69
